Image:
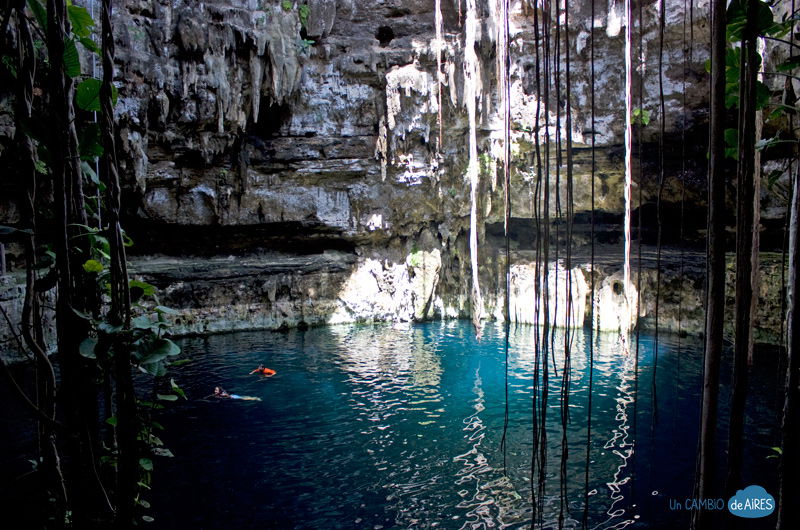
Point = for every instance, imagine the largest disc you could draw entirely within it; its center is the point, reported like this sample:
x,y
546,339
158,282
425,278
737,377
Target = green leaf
x,y
789,64
87,94
108,328
126,239
89,44
166,310
112,421
732,138
90,144
287,5
181,362
7,230
81,20
167,346
92,265
8,62
773,177
167,397
737,19
146,464
86,348
159,350
72,62
39,13
762,95
163,451
303,11
149,290
142,322
147,518
178,390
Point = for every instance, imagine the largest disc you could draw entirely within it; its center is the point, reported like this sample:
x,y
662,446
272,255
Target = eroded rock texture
x,y
317,139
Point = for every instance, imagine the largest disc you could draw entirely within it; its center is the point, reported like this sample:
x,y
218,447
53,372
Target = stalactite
x,y
471,90
439,74
628,150
628,162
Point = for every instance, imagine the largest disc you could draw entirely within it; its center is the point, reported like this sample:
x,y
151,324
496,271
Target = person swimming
x,y
221,393
267,372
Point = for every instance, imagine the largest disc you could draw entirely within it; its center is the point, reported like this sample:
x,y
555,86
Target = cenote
x,y
382,426
502,264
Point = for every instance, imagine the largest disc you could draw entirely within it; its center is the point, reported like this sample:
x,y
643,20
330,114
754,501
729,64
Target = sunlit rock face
x,y
246,131
566,300
237,112
615,307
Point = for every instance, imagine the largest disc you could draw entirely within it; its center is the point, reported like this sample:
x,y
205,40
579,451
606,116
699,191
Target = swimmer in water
x,y
221,393
267,372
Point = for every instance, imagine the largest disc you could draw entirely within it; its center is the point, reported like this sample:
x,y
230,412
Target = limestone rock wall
x,y
272,129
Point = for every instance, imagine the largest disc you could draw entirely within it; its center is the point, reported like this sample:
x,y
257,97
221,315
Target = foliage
x,y
101,338
303,11
415,259
640,117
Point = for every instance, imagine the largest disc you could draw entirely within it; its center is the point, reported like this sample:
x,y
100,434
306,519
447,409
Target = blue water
x,y
380,427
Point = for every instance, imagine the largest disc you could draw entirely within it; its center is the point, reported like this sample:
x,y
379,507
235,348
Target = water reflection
x,y
374,426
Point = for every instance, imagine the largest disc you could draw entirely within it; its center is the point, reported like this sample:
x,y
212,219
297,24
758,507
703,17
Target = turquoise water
x,y
386,427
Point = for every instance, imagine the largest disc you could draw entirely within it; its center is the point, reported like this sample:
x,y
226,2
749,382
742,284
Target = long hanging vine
x,y
569,323
662,133
544,264
504,81
587,456
536,481
715,267
744,241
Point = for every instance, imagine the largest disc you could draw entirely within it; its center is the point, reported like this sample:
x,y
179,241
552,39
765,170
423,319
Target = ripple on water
x,y
374,426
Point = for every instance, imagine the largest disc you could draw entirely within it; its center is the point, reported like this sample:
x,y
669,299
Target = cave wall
x,y
229,117
246,133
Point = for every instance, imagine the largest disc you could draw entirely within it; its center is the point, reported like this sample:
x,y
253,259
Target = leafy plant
x,y
303,10
640,117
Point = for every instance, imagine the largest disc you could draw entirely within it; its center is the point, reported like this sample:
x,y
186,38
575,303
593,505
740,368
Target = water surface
x,y
387,427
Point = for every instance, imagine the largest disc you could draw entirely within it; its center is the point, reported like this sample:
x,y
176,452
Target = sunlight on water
x,y
386,427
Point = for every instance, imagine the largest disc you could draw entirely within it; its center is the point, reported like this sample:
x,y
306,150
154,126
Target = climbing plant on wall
x,y
97,439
